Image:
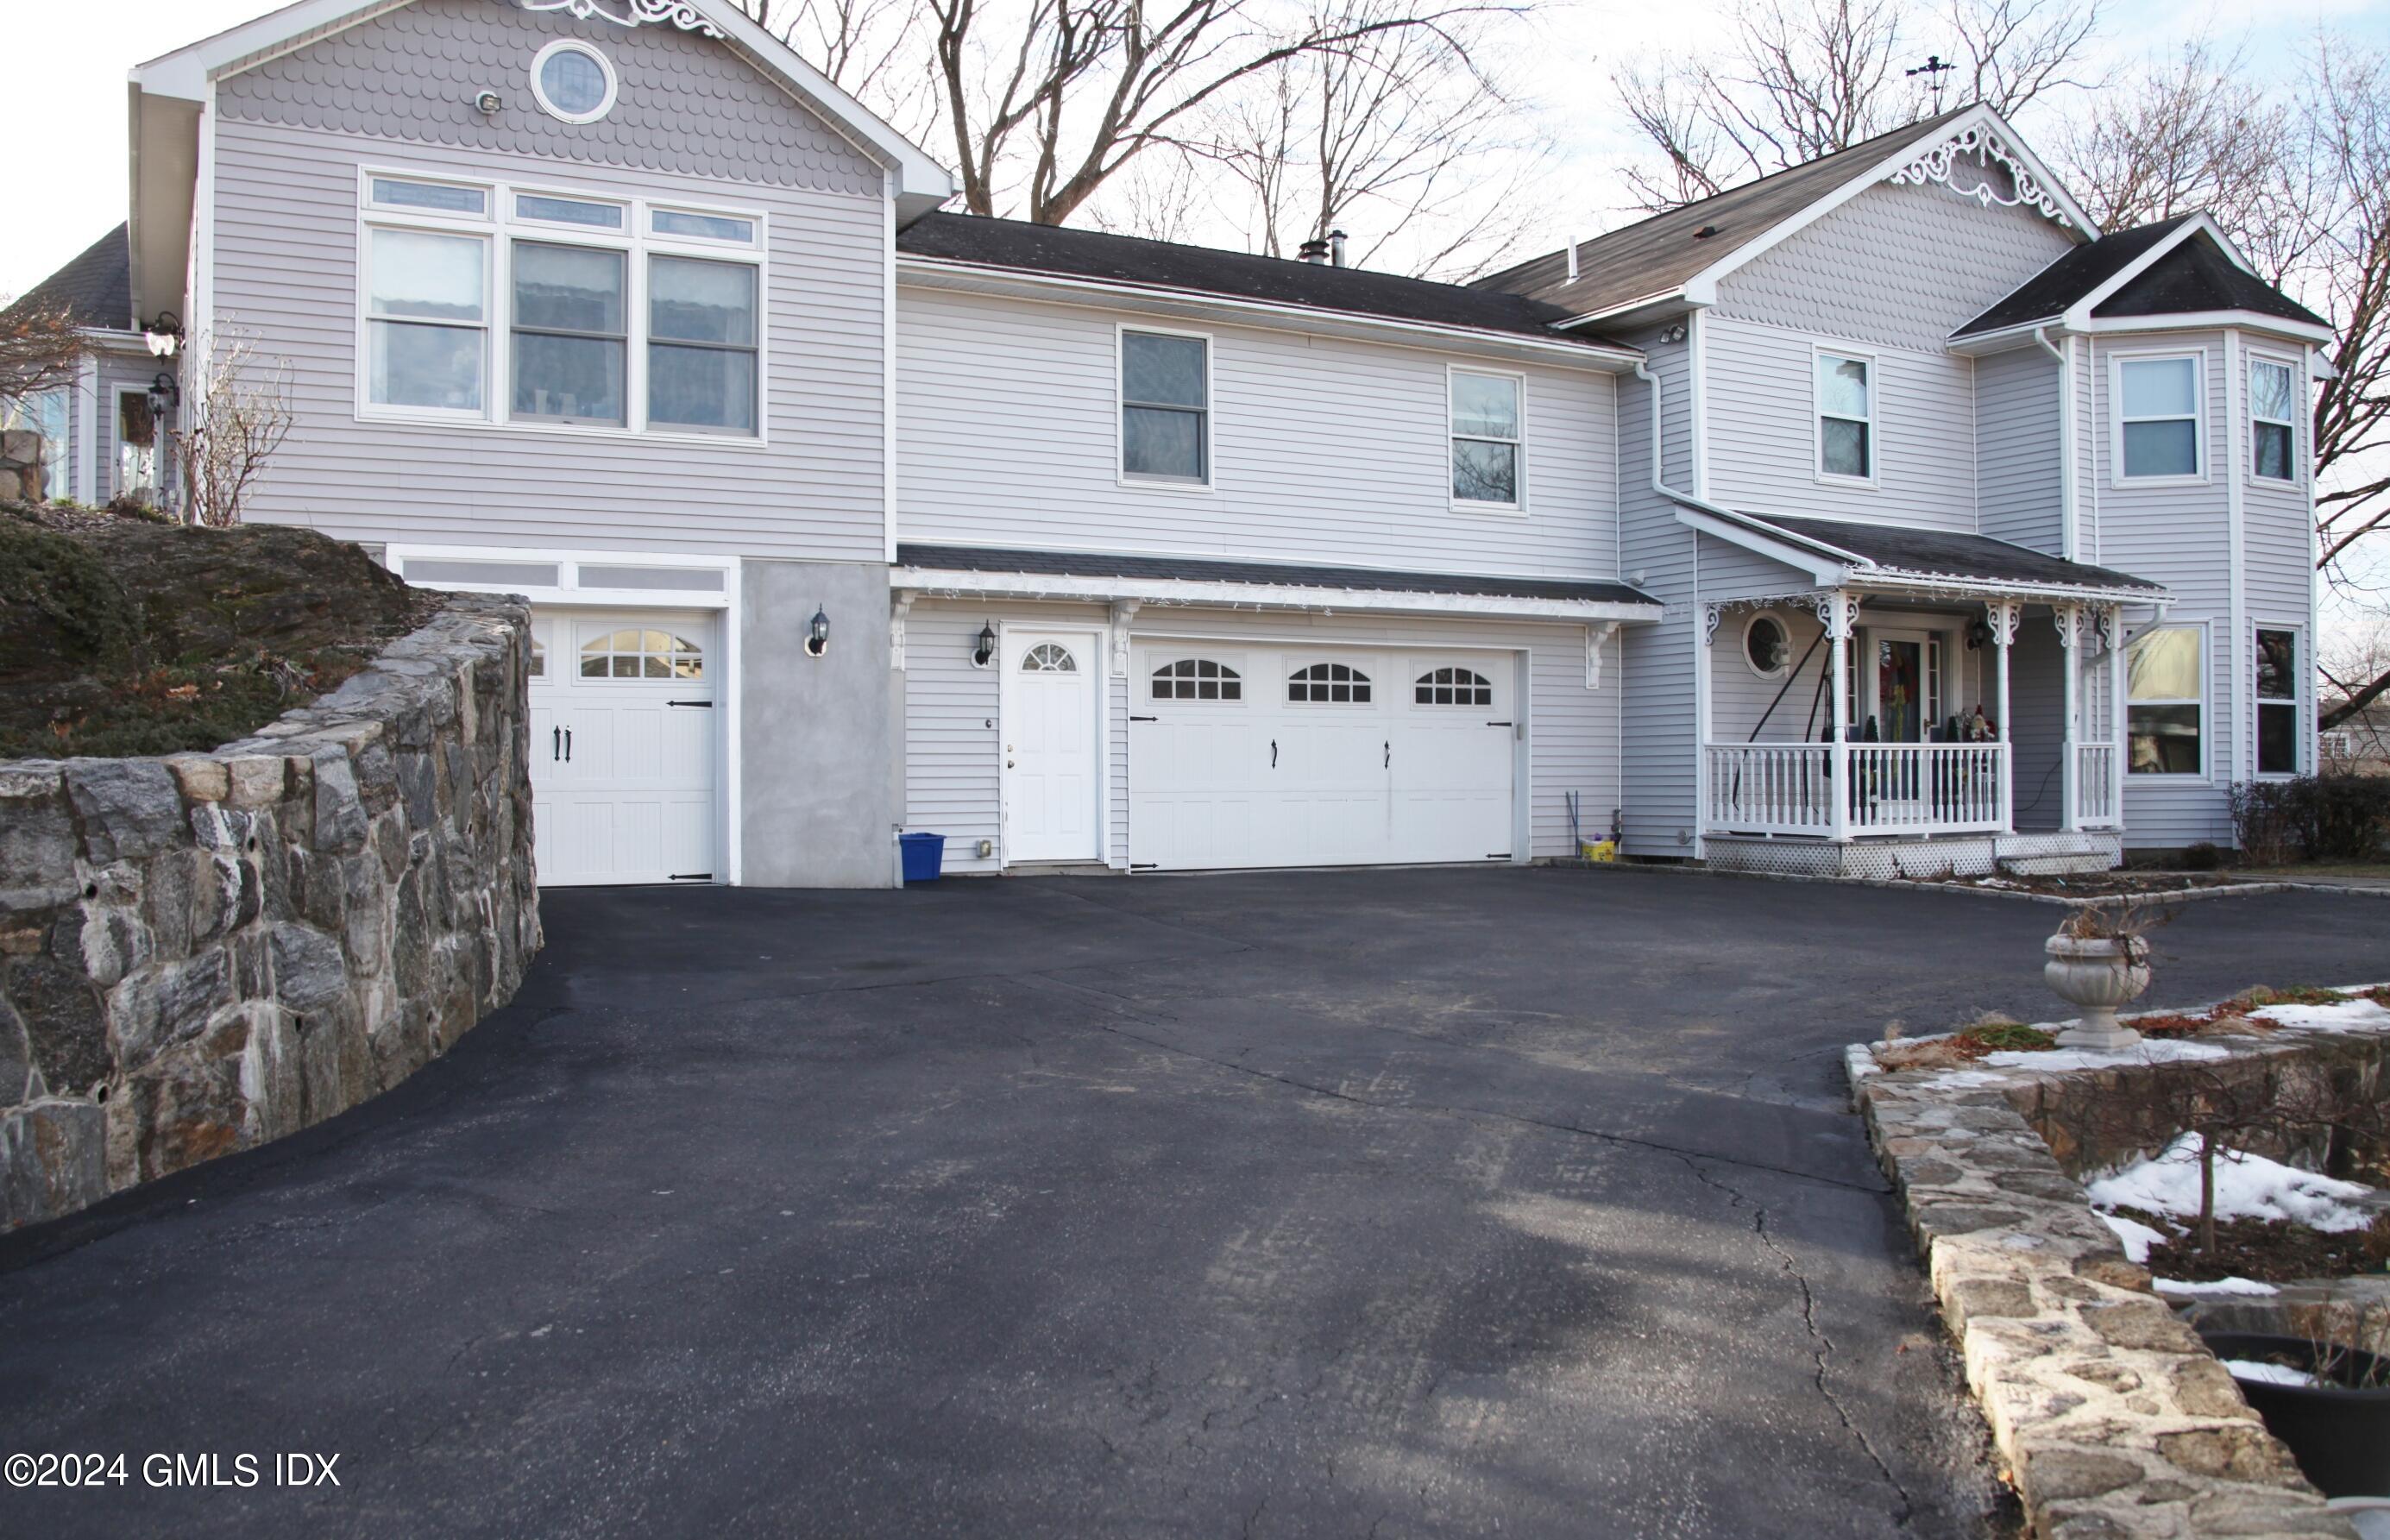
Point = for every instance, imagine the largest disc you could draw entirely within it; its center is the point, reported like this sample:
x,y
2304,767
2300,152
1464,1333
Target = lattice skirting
x,y
1954,856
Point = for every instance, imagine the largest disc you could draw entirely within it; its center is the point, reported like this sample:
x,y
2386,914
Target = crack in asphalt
x,y
1821,1349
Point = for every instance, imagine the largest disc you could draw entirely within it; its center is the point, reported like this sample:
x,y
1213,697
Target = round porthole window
x,y
1766,645
573,82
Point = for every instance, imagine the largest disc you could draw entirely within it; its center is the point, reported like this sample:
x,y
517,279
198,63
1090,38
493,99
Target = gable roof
x,y
1655,256
1018,245
96,289
1909,552
2180,266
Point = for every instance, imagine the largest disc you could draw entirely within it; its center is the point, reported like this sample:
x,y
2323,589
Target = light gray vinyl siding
x,y
1740,697
2038,722
2178,535
116,372
2277,533
687,105
1728,571
286,238
951,758
1896,266
1763,430
2019,494
1323,449
1655,552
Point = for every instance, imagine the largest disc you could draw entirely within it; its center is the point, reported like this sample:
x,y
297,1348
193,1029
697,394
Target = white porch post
x,y
2001,614
2069,619
1703,792
1838,610
2116,744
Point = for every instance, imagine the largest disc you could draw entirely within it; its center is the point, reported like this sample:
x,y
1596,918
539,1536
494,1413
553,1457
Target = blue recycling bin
x,y
924,855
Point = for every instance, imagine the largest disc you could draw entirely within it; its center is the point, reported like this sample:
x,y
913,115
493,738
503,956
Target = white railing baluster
x,y
1889,787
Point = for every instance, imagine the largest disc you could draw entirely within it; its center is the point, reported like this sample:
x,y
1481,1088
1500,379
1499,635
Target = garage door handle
x,y
1390,755
1145,719
1273,754
706,703
568,746
1498,725
555,743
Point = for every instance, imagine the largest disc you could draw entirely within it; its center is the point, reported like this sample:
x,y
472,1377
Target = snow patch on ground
x,y
2225,1287
2138,1238
2247,1186
2270,1374
2151,1050
2348,1016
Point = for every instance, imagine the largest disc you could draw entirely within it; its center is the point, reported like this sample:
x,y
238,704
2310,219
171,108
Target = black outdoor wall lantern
x,y
163,393
817,633
985,649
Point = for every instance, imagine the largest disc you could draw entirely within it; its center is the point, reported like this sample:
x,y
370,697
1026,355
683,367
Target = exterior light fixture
x,y
817,633
163,335
985,649
488,103
163,393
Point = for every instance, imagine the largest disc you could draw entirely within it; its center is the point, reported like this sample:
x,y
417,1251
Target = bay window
x,y
2157,417
2277,702
2165,699
2273,421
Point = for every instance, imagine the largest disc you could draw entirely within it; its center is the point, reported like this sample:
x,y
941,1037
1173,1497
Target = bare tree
x,y
874,48
41,348
1801,78
237,408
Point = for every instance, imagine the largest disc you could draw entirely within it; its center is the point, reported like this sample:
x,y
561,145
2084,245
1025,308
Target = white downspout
x,y
2068,539
1661,489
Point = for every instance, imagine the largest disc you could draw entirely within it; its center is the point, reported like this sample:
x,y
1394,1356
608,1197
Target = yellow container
x,y
1605,850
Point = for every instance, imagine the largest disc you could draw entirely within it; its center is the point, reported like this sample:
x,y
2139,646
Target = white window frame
x,y
1744,644
1818,353
1119,412
2303,668
1452,372
2299,474
2205,702
2116,419
605,65
1297,664
116,441
498,228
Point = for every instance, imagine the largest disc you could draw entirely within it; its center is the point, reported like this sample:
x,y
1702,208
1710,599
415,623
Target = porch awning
x,y
1840,554
1096,576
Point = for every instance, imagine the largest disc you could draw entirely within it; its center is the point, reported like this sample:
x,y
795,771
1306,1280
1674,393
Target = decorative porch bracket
x,y
1123,612
1597,636
900,605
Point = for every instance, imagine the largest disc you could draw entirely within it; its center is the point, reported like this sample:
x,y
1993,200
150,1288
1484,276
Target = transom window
x,y
1165,407
617,315
1845,417
2273,421
1196,679
1049,658
2165,701
1453,686
1330,683
2277,702
641,653
2157,415
1487,438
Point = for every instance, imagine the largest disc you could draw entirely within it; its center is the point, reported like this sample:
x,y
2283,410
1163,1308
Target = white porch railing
x,y
2096,785
1891,787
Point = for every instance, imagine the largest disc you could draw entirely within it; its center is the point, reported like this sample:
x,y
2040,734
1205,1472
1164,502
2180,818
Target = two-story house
x,y
1873,516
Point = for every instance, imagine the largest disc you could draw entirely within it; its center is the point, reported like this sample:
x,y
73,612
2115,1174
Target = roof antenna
x,y
1933,68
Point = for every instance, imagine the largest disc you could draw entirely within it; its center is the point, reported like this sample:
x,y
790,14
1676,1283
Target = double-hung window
x,y
2278,701
2157,416
1845,417
2273,421
2165,699
524,305
1487,438
43,414
1165,407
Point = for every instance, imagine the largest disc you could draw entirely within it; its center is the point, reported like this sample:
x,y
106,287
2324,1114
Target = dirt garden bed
x,y
124,634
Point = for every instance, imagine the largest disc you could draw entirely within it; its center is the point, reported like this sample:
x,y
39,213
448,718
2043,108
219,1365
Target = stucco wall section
x,y
818,735
204,952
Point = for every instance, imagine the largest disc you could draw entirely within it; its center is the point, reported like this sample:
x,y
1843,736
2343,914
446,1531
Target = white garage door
x,y
622,752
1249,756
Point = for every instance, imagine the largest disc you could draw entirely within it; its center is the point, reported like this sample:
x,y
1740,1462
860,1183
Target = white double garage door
x,y
1245,755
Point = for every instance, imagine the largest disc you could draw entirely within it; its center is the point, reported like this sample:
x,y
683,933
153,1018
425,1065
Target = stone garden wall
x,y
202,952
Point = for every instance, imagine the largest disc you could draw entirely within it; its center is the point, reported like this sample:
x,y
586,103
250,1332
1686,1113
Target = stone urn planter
x,y
2095,976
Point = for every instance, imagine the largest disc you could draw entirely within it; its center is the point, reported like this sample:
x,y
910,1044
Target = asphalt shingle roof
x,y
2196,276
2047,294
1937,553
988,559
1658,254
1016,244
96,289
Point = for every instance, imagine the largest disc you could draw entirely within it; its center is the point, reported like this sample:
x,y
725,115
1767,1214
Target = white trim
x,y
2206,630
1098,680
2251,422
2302,702
1054,289
1832,568
947,583
1752,619
605,66
1818,353
86,450
1697,396
2241,685
1209,482
1826,570
1518,507
2197,356
116,438
888,504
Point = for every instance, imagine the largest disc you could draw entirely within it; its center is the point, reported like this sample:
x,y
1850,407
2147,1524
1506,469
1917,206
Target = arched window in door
x,y
1324,683
1049,657
1453,686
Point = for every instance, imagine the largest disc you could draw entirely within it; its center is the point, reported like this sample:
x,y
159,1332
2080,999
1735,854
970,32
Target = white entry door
x,y
622,752
1052,776
1242,755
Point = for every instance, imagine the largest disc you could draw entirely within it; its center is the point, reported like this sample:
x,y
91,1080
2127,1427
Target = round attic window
x,y
1766,645
573,82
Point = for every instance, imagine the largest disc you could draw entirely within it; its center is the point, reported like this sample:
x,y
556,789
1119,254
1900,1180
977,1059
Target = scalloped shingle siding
x,y
688,105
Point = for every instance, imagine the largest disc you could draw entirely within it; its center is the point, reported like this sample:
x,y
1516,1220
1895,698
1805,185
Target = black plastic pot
x,y
2341,1437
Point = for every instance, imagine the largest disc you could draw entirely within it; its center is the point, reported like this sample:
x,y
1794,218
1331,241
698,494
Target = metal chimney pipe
x,y
1314,251
1336,247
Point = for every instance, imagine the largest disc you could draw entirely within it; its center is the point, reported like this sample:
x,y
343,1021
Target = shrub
x,y
2335,817
2204,857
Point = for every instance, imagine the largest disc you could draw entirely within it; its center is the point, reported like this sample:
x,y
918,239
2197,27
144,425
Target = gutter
x,y
1703,505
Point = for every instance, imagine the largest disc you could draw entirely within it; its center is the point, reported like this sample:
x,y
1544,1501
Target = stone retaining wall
x,y
202,952
2115,1419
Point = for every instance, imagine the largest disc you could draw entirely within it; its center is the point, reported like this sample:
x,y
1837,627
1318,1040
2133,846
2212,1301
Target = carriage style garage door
x,y
621,750
1249,756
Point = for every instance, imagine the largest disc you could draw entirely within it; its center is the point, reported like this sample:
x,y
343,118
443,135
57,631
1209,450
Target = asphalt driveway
x,y
1357,1204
